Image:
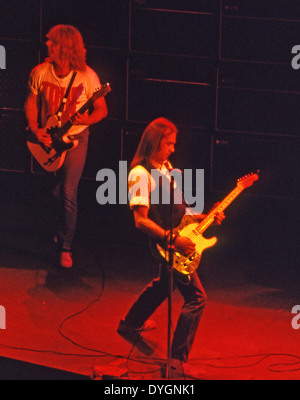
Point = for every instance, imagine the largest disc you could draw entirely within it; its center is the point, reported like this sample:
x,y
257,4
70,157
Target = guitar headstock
x,y
247,180
101,92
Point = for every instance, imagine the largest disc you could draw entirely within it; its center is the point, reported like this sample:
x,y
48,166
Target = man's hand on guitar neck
x,y
81,119
219,216
99,112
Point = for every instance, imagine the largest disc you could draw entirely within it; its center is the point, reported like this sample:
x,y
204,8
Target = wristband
x,y
168,237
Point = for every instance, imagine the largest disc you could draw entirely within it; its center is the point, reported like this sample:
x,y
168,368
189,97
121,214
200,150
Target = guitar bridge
x,y
51,159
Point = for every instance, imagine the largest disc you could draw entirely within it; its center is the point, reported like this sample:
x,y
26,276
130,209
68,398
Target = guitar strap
x,y
64,100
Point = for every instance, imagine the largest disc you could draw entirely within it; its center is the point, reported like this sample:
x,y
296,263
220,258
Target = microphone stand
x,y
170,273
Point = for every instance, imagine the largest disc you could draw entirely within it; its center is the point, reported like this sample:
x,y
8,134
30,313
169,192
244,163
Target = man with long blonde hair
x,y
156,146
48,84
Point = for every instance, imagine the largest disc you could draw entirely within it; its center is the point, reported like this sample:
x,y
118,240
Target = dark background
x,y
220,69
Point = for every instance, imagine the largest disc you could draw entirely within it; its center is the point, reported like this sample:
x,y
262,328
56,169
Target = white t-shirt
x,y
141,184
50,88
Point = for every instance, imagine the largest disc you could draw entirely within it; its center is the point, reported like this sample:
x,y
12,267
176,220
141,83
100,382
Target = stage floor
x,y
67,319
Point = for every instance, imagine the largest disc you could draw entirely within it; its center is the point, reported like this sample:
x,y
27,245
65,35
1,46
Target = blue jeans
x,y
65,192
156,292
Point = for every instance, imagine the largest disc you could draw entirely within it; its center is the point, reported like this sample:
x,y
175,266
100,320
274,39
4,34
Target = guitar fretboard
x,y
101,93
209,219
64,129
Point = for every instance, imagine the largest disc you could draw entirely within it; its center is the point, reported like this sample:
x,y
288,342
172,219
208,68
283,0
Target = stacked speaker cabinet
x,y
258,97
19,37
172,71
257,125
220,69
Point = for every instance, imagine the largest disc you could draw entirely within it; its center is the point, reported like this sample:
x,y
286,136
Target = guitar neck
x,y
209,219
64,129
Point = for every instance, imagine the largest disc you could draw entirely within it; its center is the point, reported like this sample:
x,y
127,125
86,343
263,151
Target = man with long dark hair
x,y
48,83
156,145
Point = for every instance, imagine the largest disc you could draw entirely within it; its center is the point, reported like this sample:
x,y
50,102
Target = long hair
x,y
151,139
71,45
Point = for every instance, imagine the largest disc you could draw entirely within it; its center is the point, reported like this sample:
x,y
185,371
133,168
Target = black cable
x,y
272,366
101,353
138,360
263,356
86,308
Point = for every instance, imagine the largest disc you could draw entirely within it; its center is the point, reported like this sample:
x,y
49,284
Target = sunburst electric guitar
x,y
187,264
51,157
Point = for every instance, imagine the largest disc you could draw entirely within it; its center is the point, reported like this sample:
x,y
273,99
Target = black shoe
x,y
183,370
123,328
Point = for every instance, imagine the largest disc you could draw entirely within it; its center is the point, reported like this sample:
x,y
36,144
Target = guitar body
x,y
44,156
188,264
194,230
52,157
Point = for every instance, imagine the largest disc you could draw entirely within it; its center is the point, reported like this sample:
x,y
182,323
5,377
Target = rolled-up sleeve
x,y
138,187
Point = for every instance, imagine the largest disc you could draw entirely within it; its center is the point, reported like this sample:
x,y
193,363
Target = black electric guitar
x,y
51,157
187,264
